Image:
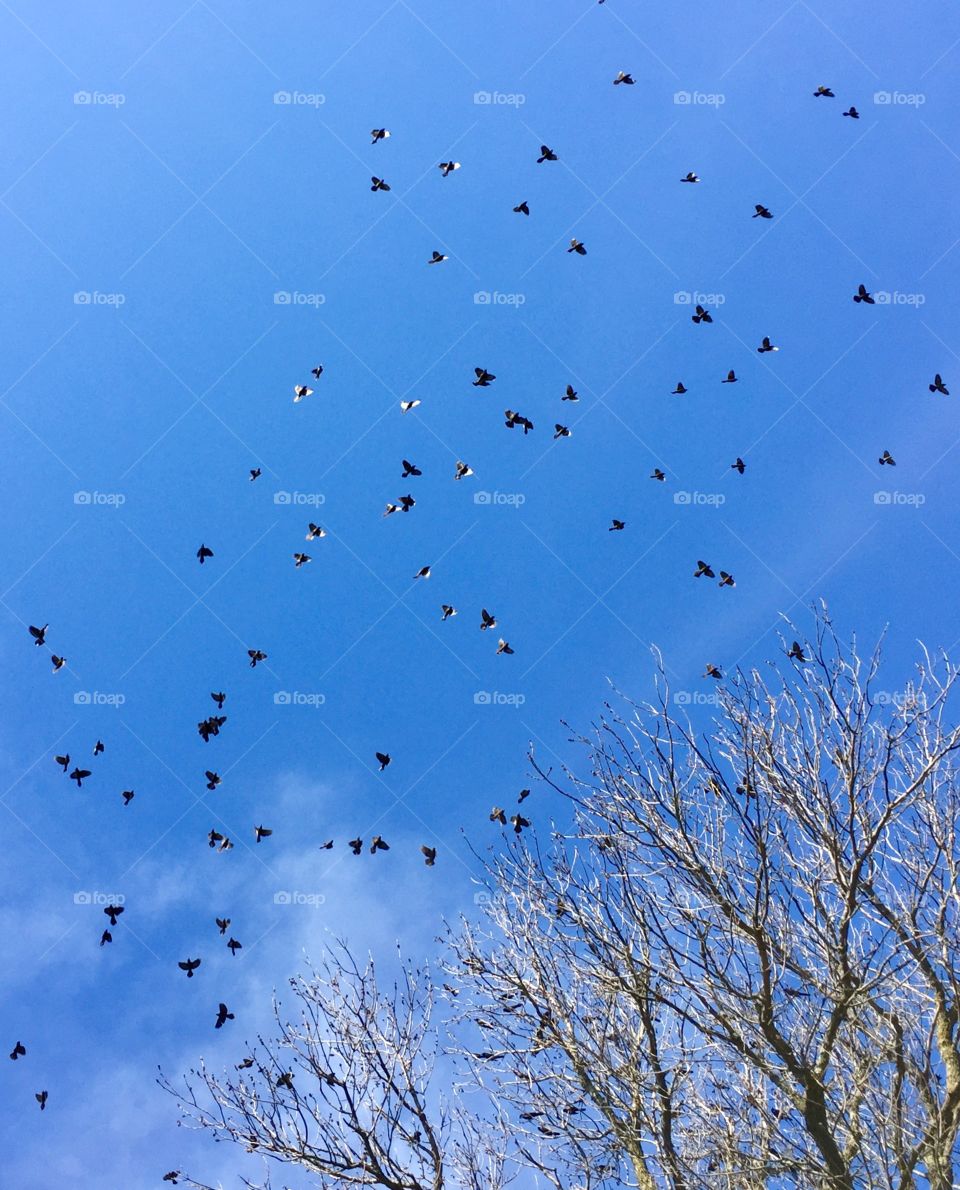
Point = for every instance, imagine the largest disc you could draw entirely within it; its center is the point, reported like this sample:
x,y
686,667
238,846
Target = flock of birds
x,y
210,726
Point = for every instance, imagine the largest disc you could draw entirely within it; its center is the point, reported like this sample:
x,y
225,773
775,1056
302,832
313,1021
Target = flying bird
x,y
233,946
561,431
406,406
546,154
39,634
498,815
222,923
378,844
796,652
190,965
484,378
486,620
701,315
938,386
730,378
378,184
437,257
517,419
691,177
423,572
463,470
503,647
521,208
63,761
766,345
98,748
378,134
78,775
615,526
262,832
623,77
113,912
203,553
577,246
18,1051
300,391
222,1016
679,390
447,167
824,91
739,465
852,113
58,662
703,570
726,580
41,1098
213,779
301,560
105,937
887,459
862,296
761,212
317,372
255,656
356,846
429,854
657,474
219,697
127,796
314,532
570,394
384,758
713,671
255,473
518,822
409,469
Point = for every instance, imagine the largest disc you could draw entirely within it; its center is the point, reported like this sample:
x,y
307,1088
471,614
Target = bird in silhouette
x,y
561,431
378,134
447,167
447,610
713,671
701,315
219,697
286,1080
518,822
437,258
409,469
105,937
862,296
514,419
262,832
190,965
113,912
222,1016
245,1064
738,465
938,386
58,662
300,560
766,345
577,246
233,946
656,473
356,846
203,553
172,1176
127,796
255,655
486,620
546,154
383,759
503,647
423,572
429,855
255,473
730,378
887,459
213,779
703,570
300,392
522,796
214,837
222,923
98,748
615,526
78,775
211,726
825,92
317,372
570,394
328,846
406,406
726,580
41,1098
18,1051
521,208
691,177
623,77
314,532
39,634
463,470
483,378
378,184
852,113
796,652
63,761
679,390
406,503
378,844
498,815
761,212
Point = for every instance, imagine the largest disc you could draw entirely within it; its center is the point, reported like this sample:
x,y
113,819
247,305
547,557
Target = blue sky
x,y
157,197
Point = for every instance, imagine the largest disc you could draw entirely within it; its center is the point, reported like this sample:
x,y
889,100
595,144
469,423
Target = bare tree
x,y
741,967
735,965
344,1091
